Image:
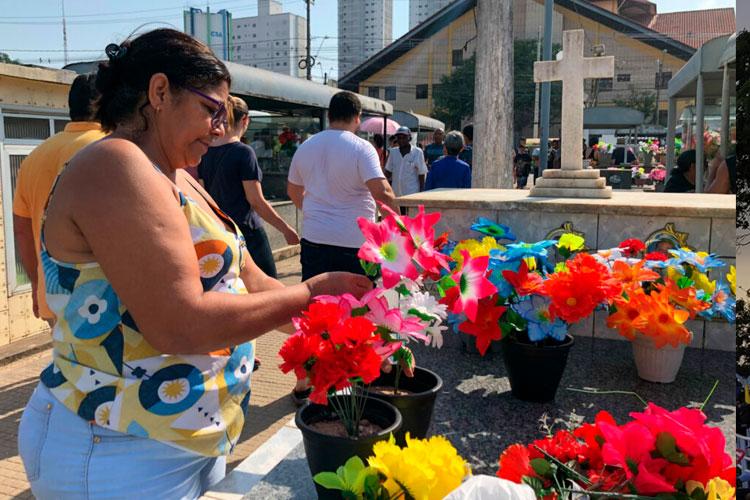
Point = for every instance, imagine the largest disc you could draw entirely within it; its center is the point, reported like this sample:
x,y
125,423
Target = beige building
x,y
406,72
33,107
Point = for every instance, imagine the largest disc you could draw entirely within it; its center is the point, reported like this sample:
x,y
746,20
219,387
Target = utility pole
x,y
493,96
546,86
308,61
65,35
658,86
536,86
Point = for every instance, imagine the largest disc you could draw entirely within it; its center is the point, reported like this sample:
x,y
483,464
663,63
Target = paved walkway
x,y
270,405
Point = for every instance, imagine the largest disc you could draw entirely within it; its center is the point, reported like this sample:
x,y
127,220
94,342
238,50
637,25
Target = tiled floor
x,y
270,404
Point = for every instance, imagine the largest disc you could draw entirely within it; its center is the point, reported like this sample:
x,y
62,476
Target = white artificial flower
x,y
436,334
425,304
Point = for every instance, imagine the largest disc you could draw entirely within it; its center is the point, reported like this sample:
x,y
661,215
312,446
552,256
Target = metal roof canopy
x,y
705,61
730,52
269,91
612,118
416,121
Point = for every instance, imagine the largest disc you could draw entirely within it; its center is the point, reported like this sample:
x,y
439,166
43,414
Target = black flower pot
x,y
535,371
415,407
328,453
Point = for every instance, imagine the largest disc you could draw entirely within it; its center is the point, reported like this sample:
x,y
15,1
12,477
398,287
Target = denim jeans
x,y
66,457
259,249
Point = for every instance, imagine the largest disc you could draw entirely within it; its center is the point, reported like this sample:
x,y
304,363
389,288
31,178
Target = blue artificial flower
x,y
535,311
723,303
703,264
494,229
538,250
497,264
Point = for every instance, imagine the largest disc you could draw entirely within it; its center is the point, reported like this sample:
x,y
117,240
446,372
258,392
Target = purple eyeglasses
x,y
219,116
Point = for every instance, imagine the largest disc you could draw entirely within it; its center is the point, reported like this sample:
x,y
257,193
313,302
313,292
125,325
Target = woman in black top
x,y
231,175
682,178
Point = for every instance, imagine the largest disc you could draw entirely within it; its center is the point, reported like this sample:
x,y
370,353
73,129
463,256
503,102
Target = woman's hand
x,y
339,283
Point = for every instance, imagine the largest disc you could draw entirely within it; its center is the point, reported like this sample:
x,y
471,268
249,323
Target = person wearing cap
x,y
435,150
449,171
405,167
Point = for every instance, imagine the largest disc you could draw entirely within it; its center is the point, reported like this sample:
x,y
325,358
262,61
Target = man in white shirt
x,y
335,178
405,168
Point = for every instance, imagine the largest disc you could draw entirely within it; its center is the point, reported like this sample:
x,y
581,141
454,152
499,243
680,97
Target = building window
x,y
18,127
662,79
390,93
373,92
457,57
421,91
605,84
623,77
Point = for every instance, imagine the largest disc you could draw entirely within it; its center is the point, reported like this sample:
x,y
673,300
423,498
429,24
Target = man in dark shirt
x,y
435,150
467,154
449,171
682,178
523,166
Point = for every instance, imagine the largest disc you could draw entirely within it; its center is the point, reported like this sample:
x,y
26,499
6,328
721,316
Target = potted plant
x,y
422,468
404,251
339,352
648,149
656,454
603,154
660,293
519,296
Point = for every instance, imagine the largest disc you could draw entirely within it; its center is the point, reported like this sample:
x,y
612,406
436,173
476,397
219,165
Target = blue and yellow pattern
x,y
106,372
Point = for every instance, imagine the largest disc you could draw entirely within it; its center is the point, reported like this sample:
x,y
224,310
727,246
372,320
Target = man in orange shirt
x,y
36,176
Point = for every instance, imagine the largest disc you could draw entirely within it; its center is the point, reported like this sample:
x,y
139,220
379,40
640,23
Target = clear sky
x,y
32,29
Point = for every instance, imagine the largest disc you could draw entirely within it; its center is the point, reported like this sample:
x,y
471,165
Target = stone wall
x,y
705,222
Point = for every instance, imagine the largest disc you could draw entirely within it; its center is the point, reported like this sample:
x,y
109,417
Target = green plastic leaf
x,y
329,480
402,290
359,484
447,282
351,469
535,483
684,282
679,459
360,311
666,444
541,467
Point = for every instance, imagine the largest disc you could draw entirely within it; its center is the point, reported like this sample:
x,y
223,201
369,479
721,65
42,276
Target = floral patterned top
x,y
105,371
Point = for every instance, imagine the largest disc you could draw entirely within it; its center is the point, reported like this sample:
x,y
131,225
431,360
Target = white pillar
x,y
725,112
699,125
671,124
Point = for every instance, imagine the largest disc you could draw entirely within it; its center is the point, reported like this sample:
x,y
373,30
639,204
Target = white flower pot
x,y
657,365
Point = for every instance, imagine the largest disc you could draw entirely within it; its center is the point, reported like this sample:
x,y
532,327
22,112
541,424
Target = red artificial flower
x,y
563,445
632,247
628,443
296,351
576,291
660,256
442,240
320,317
352,330
648,480
515,464
486,325
523,282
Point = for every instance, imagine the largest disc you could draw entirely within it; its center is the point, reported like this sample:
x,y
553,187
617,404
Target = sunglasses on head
x,y
219,116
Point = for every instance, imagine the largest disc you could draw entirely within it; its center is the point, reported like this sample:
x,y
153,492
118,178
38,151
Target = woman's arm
x,y
254,196
129,217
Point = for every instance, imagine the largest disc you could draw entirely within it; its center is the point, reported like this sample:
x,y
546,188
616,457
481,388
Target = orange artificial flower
x,y
523,282
665,323
684,297
633,275
627,319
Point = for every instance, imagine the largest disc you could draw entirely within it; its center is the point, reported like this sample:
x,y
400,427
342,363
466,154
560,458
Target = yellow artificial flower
x,y
426,468
475,248
571,241
716,489
732,279
700,279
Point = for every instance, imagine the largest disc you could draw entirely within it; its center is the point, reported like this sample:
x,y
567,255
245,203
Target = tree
x,y
644,101
454,96
743,153
5,58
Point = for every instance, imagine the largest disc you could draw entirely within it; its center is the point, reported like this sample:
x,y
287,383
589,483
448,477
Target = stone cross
x,y
573,69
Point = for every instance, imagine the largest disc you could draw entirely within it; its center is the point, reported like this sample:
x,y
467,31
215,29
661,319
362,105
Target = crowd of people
x,y
156,282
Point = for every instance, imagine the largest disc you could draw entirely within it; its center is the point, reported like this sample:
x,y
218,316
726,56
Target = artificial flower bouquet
x,y
658,453
711,143
658,173
602,147
661,291
516,291
423,469
648,149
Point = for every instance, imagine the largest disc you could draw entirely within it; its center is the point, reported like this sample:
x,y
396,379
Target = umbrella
x,y
374,125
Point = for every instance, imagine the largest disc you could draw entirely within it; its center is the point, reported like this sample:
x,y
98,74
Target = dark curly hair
x,y
123,80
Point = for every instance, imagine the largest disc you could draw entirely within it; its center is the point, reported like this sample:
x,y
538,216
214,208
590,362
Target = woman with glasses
x,y
156,298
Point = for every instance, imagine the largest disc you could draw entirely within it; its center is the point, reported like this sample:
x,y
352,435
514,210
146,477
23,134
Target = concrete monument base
x,y
571,184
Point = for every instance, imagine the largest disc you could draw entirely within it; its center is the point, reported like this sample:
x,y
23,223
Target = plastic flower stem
x,y
397,380
713,389
596,391
564,467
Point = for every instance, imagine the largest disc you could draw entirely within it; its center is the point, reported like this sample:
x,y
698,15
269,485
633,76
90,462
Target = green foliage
x,y
642,100
454,96
354,480
5,58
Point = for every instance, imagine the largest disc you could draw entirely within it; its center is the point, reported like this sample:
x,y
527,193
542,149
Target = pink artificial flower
x,y
422,230
386,245
630,442
472,285
382,315
649,481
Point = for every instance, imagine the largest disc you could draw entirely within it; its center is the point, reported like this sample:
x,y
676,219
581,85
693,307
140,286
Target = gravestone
x,y
571,180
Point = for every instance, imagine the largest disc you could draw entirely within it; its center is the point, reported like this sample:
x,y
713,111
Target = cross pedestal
x,y
571,180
